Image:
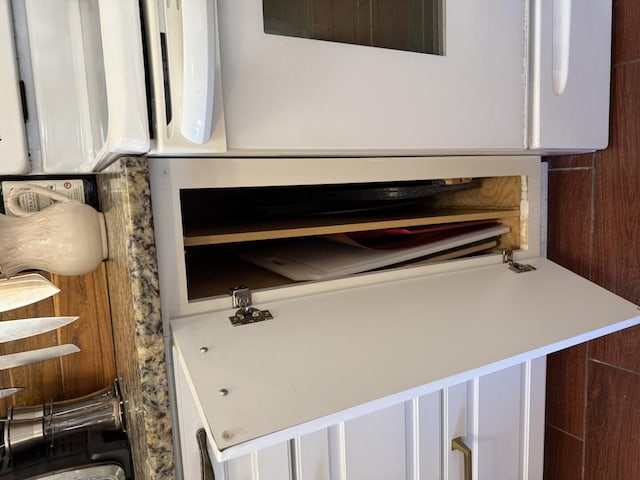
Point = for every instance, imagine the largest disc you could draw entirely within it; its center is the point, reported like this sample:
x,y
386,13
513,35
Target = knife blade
x,y
7,392
31,356
24,290
27,327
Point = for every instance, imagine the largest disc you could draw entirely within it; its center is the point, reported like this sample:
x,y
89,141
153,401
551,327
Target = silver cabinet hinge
x,y
241,299
507,257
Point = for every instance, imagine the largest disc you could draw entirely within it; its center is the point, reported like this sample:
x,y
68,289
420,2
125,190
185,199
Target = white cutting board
x,y
318,259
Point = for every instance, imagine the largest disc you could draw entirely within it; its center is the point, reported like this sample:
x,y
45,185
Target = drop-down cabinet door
x,y
327,360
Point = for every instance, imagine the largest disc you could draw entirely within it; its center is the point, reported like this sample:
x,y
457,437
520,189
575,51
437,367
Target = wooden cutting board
x,y
74,375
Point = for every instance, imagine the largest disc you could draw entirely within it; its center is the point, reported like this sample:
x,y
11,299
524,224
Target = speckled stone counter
x,y
135,310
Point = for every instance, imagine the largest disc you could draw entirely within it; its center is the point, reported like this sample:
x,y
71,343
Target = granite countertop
x,y
125,198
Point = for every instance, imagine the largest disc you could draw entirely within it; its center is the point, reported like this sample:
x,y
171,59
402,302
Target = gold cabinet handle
x,y
205,462
458,444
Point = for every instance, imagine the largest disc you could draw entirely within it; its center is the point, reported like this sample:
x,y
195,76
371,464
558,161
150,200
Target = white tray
x,y
317,259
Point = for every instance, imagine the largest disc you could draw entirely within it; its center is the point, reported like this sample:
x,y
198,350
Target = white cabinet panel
x,y
499,405
425,430
312,460
456,424
271,463
375,445
240,468
189,422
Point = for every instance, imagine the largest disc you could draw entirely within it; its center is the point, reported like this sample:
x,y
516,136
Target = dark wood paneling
x,y
621,349
74,375
569,229
616,262
613,416
626,30
571,161
566,377
562,456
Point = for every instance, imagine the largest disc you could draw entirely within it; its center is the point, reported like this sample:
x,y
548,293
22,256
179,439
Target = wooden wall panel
x,y
565,395
562,455
570,221
616,263
626,31
613,417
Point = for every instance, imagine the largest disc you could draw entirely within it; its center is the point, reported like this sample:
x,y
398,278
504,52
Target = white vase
x,y
66,238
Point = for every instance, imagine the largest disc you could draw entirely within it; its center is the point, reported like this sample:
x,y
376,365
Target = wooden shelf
x,y
325,225
214,240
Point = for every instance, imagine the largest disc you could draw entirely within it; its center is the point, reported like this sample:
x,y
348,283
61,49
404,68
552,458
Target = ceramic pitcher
x,y
66,238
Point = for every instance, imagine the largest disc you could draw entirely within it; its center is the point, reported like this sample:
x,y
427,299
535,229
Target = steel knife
x,y
26,327
7,392
31,356
24,290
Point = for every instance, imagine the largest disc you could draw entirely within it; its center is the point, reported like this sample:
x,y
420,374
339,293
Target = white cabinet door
x,y
499,416
283,93
334,356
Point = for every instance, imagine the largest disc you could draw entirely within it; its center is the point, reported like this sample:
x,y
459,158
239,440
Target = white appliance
x,y
443,77
81,71
235,78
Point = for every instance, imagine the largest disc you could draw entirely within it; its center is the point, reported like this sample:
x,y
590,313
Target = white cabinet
x,y
499,417
377,372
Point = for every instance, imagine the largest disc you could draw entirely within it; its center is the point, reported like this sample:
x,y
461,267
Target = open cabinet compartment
x,y
221,225
205,220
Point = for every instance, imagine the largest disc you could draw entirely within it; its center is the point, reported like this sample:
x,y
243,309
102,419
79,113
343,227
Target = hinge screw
x,y
223,392
204,349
